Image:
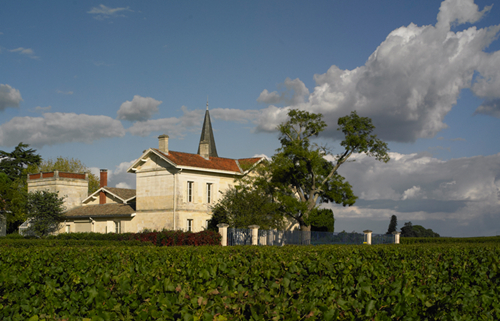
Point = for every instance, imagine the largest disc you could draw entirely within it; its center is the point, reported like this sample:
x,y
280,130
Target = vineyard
x,y
102,280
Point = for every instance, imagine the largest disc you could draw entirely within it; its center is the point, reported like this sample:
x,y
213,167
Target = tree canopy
x,y
410,230
393,224
63,164
301,176
44,212
14,163
13,187
244,205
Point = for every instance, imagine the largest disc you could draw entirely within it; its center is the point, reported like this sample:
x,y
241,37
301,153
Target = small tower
x,y
72,186
207,147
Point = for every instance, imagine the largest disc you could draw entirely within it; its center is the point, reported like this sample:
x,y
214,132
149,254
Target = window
x,y
209,193
190,191
206,224
189,225
118,227
68,228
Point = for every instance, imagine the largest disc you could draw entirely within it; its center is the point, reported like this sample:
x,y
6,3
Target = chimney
x,y
163,143
103,182
204,149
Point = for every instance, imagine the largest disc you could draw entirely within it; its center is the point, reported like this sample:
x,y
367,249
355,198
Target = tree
x,y
301,177
14,163
45,212
71,165
244,205
410,230
392,225
13,187
321,220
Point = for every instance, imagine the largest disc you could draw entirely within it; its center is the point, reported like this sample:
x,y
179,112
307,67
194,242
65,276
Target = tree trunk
x,y
306,234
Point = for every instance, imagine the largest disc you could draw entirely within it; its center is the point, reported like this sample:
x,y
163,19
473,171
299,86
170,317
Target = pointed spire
x,y
207,141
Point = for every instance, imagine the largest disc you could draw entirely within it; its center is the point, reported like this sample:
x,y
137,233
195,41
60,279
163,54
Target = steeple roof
x,y
207,136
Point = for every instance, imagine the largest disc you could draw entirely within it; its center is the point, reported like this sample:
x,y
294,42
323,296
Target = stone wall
x,y
74,190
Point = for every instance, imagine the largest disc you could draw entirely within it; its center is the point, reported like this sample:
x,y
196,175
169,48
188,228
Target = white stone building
x,y
174,190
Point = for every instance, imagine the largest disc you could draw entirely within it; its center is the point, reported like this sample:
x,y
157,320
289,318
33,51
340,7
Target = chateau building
x,y
174,190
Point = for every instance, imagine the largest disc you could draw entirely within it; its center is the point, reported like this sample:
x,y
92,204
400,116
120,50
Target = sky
x,y
100,81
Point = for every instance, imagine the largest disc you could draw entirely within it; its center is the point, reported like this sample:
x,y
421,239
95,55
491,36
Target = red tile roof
x,y
216,163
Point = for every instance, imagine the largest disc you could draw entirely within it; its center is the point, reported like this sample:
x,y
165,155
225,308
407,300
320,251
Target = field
x,y
110,280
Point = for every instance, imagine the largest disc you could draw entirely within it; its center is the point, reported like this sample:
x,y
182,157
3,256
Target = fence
x,y
254,236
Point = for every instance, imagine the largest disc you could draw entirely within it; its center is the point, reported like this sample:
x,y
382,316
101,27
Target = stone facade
x,y
174,190
73,187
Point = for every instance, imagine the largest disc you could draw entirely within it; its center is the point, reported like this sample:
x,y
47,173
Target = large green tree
x,y
13,188
44,212
62,164
301,176
14,163
245,205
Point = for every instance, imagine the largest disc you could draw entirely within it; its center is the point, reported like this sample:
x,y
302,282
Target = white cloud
x,y
459,12
25,51
119,176
490,107
408,84
295,93
412,193
9,97
457,197
173,126
139,109
123,185
270,118
123,166
102,12
58,128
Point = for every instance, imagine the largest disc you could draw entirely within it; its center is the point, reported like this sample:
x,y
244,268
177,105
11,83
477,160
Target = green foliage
x,y
393,224
245,205
13,187
321,220
44,212
14,163
300,178
403,282
410,230
70,165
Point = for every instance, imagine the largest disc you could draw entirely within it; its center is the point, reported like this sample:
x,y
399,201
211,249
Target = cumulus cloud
x,y
102,12
9,97
295,92
58,128
118,177
173,126
490,107
123,185
456,197
139,109
409,83
25,51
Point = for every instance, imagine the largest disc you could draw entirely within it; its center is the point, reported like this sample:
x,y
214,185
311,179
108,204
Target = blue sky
x,y
99,81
